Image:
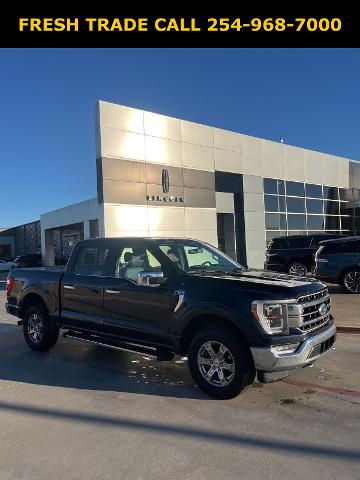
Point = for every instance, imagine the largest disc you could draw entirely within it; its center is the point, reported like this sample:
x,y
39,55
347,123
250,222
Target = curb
x,y
347,329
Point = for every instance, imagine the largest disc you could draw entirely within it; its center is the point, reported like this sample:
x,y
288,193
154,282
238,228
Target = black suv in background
x,y
338,261
294,254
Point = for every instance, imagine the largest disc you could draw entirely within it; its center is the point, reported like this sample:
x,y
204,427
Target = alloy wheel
x,y
35,328
216,363
352,281
297,269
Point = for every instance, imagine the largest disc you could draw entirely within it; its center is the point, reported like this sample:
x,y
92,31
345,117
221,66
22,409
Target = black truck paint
x,y
216,312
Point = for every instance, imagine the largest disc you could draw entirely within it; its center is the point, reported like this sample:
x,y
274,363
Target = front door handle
x,y
111,290
69,287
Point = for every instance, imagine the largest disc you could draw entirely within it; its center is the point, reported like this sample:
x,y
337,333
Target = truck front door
x,y
134,311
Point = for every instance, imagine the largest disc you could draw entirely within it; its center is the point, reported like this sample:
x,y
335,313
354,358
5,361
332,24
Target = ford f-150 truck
x,y
159,297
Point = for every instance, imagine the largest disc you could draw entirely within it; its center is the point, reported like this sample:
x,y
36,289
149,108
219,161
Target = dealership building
x,y
162,176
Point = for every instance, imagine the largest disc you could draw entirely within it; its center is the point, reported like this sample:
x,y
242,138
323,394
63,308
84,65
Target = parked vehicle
x,y
160,297
5,265
28,260
338,261
294,254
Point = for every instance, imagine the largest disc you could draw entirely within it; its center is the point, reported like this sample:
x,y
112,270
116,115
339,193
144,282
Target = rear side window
x,y
278,243
303,242
341,247
91,261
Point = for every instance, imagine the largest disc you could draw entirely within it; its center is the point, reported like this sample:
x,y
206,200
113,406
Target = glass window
x,y
344,194
283,223
295,189
282,204
332,223
296,222
91,261
314,206
315,222
270,186
198,256
132,260
330,193
281,187
331,207
295,205
271,203
313,190
345,208
272,221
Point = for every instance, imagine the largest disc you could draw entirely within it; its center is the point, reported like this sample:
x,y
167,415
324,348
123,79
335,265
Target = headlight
x,y
272,316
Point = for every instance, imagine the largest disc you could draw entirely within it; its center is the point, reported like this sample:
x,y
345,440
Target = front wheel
x,y
39,332
351,281
220,363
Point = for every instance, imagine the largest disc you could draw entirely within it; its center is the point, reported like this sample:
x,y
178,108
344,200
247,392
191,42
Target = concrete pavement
x,y
80,411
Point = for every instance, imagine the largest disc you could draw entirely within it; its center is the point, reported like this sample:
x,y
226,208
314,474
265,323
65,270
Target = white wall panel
x,y
162,126
120,117
196,133
159,150
200,219
121,144
226,140
228,161
224,202
198,156
166,218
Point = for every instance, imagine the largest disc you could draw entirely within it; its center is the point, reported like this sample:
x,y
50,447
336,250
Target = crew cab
x,y
159,297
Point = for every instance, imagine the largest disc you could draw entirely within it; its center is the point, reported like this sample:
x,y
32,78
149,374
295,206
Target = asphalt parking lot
x,y
80,411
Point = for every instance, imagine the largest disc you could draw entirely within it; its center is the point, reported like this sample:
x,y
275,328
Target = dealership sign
x,y
165,181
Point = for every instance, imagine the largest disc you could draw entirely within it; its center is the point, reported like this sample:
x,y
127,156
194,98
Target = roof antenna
x,y
281,140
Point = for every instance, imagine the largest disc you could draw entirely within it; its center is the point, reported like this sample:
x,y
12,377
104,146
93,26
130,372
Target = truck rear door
x,y
82,288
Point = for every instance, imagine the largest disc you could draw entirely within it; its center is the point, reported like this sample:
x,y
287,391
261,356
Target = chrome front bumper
x,y
266,359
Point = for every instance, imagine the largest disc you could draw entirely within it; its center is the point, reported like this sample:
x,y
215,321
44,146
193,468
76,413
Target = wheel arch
x,y
31,299
202,320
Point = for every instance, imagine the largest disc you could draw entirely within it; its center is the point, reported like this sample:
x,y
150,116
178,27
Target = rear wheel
x,y
39,332
351,281
220,363
298,269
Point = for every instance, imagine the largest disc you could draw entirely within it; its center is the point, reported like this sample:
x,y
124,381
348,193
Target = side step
x,y
143,350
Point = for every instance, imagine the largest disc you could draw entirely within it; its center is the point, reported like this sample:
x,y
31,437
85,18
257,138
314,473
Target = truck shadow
x,y
72,364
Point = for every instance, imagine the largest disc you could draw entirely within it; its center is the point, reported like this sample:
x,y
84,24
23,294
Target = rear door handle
x,y
69,287
112,290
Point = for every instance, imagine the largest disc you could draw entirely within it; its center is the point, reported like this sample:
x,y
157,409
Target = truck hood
x,y
266,281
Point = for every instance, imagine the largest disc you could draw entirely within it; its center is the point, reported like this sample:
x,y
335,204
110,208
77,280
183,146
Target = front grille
x,y
311,312
322,347
313,296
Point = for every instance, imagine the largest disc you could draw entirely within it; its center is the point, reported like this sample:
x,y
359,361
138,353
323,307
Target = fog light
x,y
284,349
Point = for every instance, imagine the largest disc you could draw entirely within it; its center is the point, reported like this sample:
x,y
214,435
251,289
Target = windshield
x,y
191,256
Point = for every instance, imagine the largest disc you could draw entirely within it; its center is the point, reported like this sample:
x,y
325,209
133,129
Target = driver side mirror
x,y
150,279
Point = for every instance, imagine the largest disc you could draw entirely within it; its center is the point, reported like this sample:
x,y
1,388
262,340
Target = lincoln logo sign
x,y
165,181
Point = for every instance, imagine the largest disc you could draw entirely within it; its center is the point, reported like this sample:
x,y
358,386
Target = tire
x,y
238,356
39,332
298,269
350,281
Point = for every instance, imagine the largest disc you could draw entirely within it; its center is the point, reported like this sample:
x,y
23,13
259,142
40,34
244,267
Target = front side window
x,y
131,260
91,261
193,256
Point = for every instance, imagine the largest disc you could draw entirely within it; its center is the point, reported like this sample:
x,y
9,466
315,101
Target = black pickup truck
x,y
159,297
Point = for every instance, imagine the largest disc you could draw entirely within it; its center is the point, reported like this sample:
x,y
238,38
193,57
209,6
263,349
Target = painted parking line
x,y
314,386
